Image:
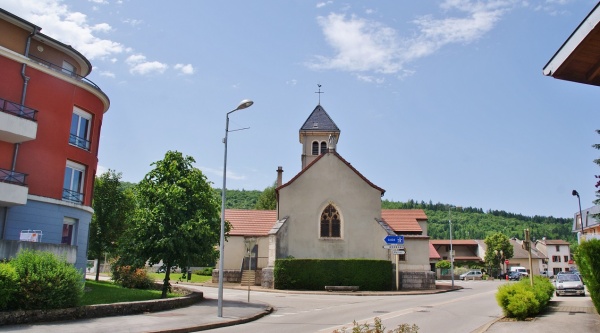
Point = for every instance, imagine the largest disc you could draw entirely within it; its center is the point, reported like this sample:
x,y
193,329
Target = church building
x,y
329,210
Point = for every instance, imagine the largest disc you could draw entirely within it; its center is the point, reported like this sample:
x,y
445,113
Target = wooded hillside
x,y
467,222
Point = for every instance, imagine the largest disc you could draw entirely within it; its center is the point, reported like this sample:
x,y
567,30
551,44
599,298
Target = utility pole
x,y
527,246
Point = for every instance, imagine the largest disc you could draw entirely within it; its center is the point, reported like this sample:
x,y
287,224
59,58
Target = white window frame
x,y
80,115
74,167
74,223
68,68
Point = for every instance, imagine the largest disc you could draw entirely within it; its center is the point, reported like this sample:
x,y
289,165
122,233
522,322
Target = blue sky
x,y
436,100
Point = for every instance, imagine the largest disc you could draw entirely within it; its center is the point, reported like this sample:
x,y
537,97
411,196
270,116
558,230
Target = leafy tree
x,y
177,220
268,199
112,209
495,243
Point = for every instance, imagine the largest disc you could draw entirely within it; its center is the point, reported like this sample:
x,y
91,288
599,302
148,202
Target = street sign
x,y
398,252
394,239
393,246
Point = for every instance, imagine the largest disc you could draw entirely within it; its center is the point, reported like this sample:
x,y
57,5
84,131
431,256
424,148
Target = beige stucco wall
x,y
417,255
235,251
332,181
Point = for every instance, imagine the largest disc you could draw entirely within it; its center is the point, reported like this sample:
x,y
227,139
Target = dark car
x,y
514,276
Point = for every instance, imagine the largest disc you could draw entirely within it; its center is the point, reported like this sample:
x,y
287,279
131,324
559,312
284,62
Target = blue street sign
x,y
390,239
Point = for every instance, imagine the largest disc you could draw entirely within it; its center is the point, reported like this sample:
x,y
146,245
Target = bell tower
x,y
318,135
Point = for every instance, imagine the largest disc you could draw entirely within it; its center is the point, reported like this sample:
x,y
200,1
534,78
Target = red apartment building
x,y
50,120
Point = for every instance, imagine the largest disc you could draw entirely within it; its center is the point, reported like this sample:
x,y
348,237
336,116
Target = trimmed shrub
x,y
46,281
129,277
315,274
520,300
9,285
588,261
205,271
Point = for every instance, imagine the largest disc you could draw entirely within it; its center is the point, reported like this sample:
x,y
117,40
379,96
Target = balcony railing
x,y
79,142
18,110
64,71
13,177
73,196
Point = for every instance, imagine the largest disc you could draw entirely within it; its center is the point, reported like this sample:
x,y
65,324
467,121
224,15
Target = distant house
x,y
558,255
521,258
465,250
50,120
329,210
591,226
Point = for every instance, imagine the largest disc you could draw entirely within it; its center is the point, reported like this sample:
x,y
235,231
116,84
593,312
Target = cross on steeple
x,y
319,92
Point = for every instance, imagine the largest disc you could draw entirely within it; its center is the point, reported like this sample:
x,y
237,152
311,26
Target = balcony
x,y
65,71
72,196
18,123
13,189
10,248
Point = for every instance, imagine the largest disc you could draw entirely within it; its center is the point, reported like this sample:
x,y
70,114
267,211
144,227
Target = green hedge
x,y
520,300
315,274
588,261
45,281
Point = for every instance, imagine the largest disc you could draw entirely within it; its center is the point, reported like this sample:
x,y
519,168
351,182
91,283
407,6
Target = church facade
x,y
329,210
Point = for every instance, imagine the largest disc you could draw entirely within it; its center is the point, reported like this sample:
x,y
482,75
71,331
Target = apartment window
x,y
566,258
330,222
80,129
555,258
556,270
68,69
557,248
69,231
73,183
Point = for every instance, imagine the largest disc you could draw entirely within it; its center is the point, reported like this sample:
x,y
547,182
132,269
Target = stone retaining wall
x,y
417,280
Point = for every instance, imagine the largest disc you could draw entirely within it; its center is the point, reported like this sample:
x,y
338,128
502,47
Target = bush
x,y
205,271
379,328
520,300
46,281
129,277
588,261
443,264
9,285
315,274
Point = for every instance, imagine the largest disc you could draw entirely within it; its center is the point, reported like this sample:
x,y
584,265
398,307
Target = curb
x,y
485,327
205,327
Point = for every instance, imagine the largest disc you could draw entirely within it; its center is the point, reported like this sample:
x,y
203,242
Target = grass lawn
x,y
175,277
105,292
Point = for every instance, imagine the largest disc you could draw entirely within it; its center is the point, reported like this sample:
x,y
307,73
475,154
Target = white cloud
x,y
107,74
323,4
133,22
100,170
219,172
291,82
71,28
139,65
185,69
362,45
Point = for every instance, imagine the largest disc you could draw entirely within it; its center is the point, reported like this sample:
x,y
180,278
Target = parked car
x,y
471,275
515,276
569,284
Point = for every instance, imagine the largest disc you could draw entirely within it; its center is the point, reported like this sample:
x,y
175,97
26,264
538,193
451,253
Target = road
x,y
458,311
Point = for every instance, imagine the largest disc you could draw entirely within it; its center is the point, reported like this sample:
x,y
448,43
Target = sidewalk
x,y
568,315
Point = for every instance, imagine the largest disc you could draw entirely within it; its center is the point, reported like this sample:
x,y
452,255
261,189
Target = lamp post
x,y
451,252
575,193
243,104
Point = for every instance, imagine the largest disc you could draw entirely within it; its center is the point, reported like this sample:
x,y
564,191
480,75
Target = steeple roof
x,y
319,120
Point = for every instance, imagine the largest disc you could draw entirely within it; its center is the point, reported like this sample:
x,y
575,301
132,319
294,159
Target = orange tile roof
x,y
245,222
454,242
433,254
403,220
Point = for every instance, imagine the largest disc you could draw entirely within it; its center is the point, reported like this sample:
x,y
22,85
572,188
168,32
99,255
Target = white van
x,y
522,270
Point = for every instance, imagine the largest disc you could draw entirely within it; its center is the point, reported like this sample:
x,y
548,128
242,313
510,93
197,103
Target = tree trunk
x,y
166,284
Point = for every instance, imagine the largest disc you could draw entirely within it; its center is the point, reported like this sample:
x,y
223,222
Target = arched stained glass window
x,y
330,222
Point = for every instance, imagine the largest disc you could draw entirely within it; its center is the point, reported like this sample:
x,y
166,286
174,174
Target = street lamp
x,y
451,252
575,193
243,104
